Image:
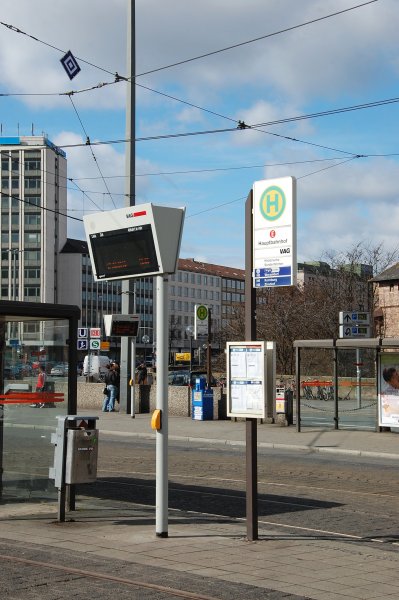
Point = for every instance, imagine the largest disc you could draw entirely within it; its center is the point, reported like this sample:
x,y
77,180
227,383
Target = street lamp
x,y
190,334
145,339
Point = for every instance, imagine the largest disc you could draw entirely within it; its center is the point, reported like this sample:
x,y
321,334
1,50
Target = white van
x,y
95,366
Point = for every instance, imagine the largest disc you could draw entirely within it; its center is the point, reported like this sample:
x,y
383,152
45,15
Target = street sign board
x,y
82,332
82,344
14,343
274,232
354,331
201,315
354,318
95,344
95,332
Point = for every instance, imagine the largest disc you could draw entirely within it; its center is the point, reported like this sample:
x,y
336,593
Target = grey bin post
x,y
75,454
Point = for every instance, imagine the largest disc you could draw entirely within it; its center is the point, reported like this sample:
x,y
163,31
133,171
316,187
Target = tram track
x,y
135,583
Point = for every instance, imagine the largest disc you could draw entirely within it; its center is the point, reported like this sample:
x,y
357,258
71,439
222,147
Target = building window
x,y
32,238
32,183
32,219
32,201
199,279
32,165
32,292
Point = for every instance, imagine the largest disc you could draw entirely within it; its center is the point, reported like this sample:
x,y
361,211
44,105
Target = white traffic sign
x,y
95,344
95,332
274,232
354,318
354,331
83,344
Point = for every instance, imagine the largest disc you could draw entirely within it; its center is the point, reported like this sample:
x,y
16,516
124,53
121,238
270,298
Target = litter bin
x,y
284,406
202,401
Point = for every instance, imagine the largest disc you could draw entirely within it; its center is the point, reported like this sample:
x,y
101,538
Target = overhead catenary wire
x,y
52,183
93,155
220,50
245,127
257,39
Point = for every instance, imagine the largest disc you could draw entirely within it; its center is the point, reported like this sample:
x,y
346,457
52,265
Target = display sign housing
x,y
121,325
136,241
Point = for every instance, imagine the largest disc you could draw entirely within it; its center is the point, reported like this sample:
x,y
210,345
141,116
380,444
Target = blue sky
x,y
345,60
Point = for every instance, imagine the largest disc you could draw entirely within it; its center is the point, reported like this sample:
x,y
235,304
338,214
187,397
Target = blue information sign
x,y
272,281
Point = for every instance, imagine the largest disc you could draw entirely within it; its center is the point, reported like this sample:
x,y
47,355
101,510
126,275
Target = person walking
x,y
112,388
142,373
40,385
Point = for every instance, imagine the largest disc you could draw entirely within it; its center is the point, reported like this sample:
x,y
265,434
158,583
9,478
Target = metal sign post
x,y
161,490
251,423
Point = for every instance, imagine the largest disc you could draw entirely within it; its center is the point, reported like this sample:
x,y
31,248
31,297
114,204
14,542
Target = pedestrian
x,y
111,390
40,385
142,373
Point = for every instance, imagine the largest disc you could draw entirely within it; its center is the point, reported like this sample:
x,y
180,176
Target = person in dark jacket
x,y
112,388
142,373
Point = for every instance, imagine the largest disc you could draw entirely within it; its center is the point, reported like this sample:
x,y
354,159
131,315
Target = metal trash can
x,y
284,406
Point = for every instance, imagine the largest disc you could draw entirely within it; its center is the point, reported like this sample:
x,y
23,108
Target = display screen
x,y
124,252
128,328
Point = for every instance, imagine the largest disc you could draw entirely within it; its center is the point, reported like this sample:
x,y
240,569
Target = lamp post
x,y
145,339
190,333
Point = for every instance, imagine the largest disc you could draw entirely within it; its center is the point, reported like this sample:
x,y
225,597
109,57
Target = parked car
x,y
188,377
60,370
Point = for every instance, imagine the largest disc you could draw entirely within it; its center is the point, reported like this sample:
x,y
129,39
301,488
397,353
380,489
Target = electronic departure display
x,y
128,328
124,252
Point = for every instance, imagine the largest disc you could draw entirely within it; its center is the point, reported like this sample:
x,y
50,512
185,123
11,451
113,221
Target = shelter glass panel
x,y
33,393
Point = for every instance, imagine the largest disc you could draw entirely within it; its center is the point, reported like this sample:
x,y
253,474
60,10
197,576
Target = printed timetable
x,y
246,379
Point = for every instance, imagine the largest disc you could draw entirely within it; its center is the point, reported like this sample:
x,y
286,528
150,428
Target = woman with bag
x,y
111,389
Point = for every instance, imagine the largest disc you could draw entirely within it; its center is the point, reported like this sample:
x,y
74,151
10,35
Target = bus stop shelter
x,y
33,336
337,382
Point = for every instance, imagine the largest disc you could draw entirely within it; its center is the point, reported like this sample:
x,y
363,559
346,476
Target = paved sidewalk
x,y
283,560
343,441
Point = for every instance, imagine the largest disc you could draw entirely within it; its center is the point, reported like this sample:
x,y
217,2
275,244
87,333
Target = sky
x,y
308,60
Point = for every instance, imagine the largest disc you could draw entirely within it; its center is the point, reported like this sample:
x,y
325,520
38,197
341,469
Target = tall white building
x,y
33,204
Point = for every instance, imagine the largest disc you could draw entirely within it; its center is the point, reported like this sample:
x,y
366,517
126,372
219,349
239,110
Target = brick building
x,y
386,313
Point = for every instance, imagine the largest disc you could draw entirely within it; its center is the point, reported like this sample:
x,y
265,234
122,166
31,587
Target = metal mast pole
x,y
130,193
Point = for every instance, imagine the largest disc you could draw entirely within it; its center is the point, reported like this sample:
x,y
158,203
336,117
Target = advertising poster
x,y
388,397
